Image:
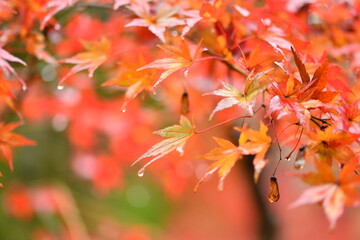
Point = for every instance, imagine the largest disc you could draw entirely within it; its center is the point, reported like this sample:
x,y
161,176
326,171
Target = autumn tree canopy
x,y
272,82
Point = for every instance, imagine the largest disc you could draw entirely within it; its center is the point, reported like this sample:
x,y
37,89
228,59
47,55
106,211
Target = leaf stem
x,y
221,123
297,143
228,120
282,131
276,138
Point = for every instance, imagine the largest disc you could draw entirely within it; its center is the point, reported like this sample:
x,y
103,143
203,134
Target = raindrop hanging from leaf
x,y
300,159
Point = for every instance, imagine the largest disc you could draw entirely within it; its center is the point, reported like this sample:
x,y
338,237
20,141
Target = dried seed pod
x,y
300,158
185,105
274,195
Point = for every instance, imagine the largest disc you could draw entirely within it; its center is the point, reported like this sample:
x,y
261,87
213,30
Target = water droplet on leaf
x,y
274,194
300,159
60,87
299,164
24,87
180,150
141,172
123,110
186,73
287,158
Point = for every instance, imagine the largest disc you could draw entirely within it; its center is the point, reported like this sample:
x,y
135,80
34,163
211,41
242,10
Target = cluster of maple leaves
x,y
295,61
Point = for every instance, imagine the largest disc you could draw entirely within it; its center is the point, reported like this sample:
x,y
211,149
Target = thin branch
x,y
288,156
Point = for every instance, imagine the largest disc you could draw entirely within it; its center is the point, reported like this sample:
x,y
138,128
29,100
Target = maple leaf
x,y
285,104
273,35
297,96
177,135
312,89
5,57
7,95
35,44
300,65
331,144
332,192
96,54
258,141
136,81
180,58
213,12
259,57
225,156
192,17
251,142
158,22
254,84
4,89
349,117
8,140
53,7
6,7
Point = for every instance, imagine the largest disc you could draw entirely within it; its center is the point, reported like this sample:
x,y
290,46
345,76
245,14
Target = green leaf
x,y
177,136
254,84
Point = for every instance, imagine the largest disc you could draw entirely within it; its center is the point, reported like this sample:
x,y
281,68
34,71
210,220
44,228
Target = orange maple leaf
x,y
225,156
210,12
180,58
260,58
96,54
314,88
259,141
136,81
298,96
251,142
7,95
331,145
8,140
35,44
